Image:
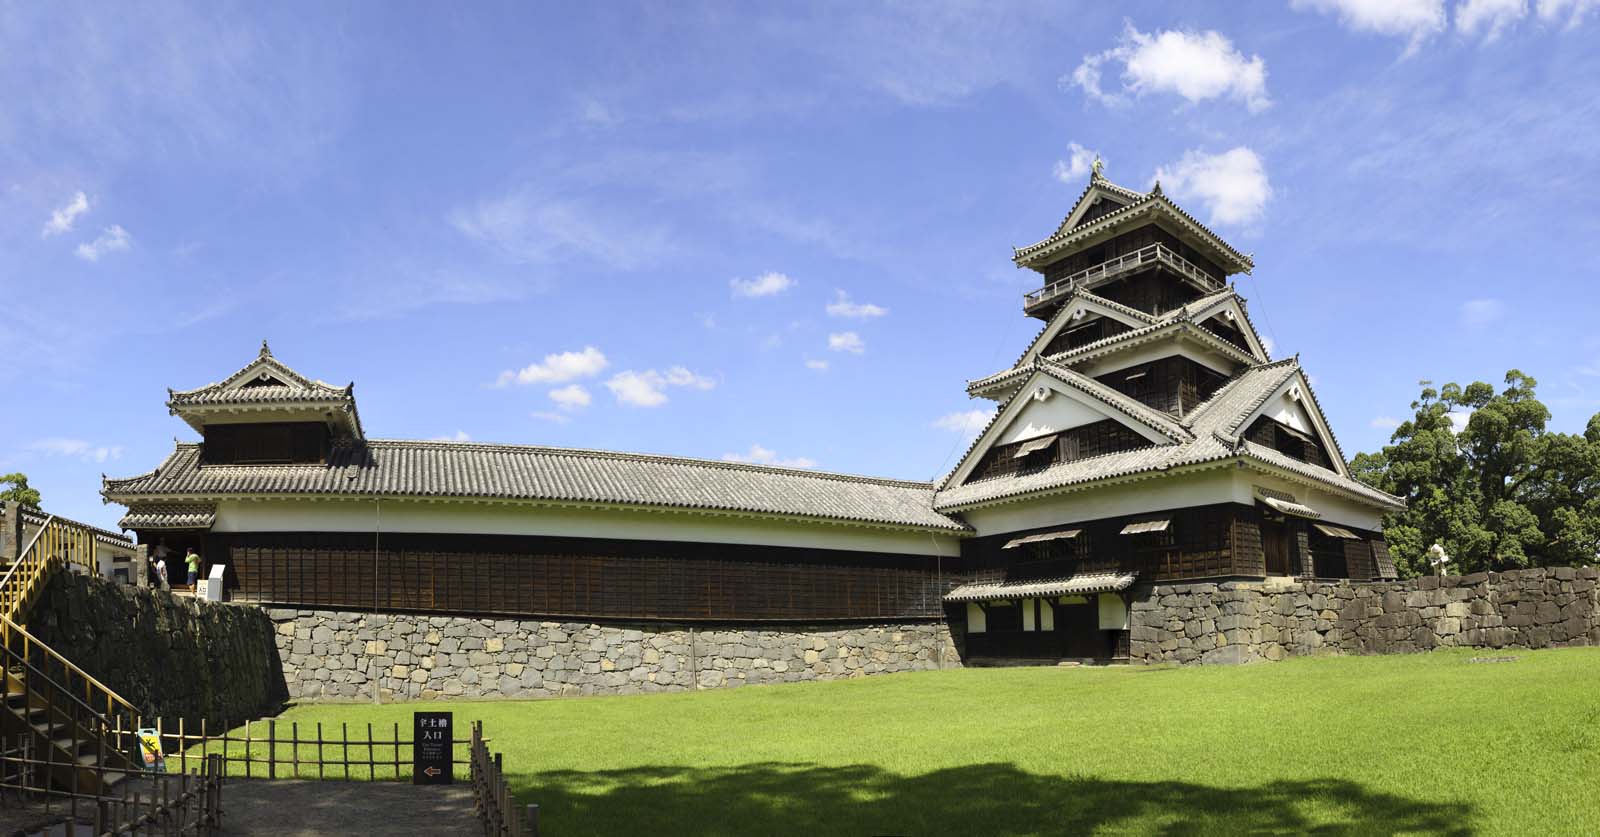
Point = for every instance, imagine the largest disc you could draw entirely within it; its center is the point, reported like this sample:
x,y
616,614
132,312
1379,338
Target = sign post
x,y
433,751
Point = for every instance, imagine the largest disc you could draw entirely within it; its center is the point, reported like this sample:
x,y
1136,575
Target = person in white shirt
x,y
161,552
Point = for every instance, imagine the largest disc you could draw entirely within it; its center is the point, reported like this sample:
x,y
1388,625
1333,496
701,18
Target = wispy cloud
x,y
966,422
841,306
1476,313
816,364
1385,422
1492,17
648,388
77,449
557,368
113,239
762,456
545,415
767,284
459,436
1197,66
523,227
61,220
1233,184
846,341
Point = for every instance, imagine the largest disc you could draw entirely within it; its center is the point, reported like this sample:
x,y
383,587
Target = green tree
x,y
18,490
1483,476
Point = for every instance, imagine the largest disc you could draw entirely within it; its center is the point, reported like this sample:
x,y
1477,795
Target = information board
x,y
433,752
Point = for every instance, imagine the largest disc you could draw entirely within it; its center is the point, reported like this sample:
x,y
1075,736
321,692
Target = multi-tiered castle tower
x,y
1144,435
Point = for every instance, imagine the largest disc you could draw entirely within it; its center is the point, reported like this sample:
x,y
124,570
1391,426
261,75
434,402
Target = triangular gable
x,y
1076,311
1293,400
1099,193
1232,311
1089,401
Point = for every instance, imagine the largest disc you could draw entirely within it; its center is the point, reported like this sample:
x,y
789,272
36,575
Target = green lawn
x,y
1408,744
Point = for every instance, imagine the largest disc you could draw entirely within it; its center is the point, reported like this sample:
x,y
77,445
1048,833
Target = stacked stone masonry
x,y
1238,622
337,654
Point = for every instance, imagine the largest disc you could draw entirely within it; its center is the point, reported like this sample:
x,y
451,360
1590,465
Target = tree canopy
x,y
1485,478
14,487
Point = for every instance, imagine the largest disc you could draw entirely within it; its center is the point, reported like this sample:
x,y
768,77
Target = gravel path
x,y
304,808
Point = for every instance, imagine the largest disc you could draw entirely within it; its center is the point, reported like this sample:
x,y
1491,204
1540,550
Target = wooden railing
x,y
143,804
491,795
1144,256
273,750
18,643
57,542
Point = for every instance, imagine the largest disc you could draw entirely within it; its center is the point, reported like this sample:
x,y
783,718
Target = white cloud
x,y
762,456
1385,422
817,365
1268,344
62,219
965,422
112,239
1492,16
460,436
1076,166
1416,20
1458,421
841,306
767,284
571,397
1481,312
1195,65
647,388
557,368
544,415
1574,11
1233,185
77,449
846,341
596,112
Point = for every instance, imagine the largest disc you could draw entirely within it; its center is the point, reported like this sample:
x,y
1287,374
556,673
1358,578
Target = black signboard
x,y
433,754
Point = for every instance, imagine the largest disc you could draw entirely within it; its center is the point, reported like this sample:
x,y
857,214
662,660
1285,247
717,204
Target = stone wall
x,y
336,654
171,657
1237,622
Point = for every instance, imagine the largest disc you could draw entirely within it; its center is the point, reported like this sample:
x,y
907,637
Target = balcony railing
x,y
1155,254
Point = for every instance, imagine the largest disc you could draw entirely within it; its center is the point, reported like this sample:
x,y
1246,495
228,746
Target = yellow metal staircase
x,y
72,722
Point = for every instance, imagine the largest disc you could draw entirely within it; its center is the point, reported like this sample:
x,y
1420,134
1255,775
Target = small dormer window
x,y
263,380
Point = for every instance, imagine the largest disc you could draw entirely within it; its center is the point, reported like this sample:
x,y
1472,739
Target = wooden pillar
x,y
11,532
1304,564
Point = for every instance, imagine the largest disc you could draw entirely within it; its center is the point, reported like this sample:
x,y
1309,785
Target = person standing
x,y
158,569
192,559
161,573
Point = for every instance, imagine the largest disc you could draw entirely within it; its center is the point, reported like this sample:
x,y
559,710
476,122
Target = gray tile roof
x,y
1211,435
386,467
293,389
1077,585
1152,200
164,516
32,516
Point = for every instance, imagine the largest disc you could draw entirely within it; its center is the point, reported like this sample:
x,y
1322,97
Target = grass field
x,y
1422,744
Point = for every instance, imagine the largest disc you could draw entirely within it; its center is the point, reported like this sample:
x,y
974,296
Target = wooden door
x,y
1275,544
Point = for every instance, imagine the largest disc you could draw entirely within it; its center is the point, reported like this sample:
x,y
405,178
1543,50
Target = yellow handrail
x,y
113,701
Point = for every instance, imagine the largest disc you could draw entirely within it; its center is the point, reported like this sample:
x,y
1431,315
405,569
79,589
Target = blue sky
x,y
782,234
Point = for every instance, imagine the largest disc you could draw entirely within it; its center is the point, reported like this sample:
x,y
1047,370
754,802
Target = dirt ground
x,y
305,808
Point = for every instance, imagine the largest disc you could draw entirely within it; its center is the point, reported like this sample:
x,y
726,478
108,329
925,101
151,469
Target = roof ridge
x,y
674,459
1200,409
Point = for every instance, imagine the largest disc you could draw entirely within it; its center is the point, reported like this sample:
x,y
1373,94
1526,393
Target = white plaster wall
x,y
1054,414
1156,351
1171,492
1227,484
1292,413
508,519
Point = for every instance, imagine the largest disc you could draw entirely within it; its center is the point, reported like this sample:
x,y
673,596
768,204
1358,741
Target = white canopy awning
x,y
1077,585
1142,526
1040,538
1336,531
1288,507
1034,444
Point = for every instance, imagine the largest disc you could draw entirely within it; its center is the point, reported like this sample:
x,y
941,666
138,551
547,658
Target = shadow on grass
x,y
986,799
